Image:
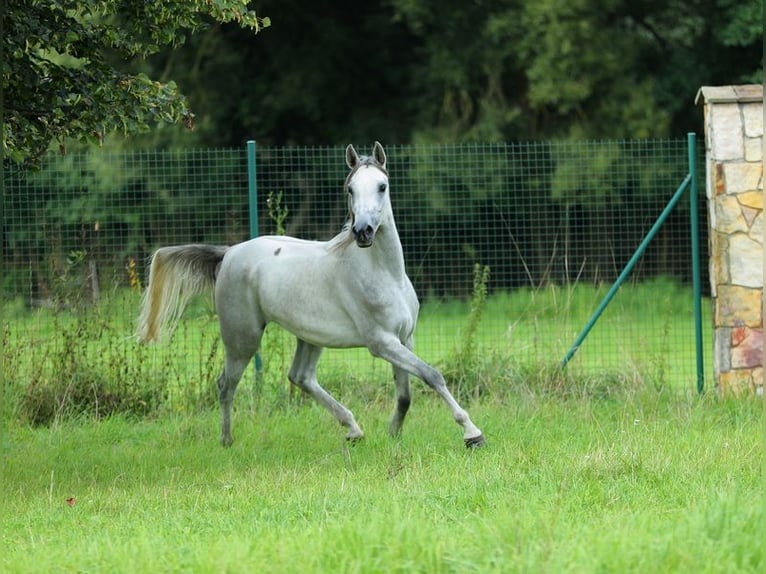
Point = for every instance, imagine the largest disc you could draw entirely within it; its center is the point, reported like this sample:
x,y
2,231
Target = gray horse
x,y
350,291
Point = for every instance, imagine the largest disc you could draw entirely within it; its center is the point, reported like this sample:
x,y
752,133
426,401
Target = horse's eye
x,y
382,187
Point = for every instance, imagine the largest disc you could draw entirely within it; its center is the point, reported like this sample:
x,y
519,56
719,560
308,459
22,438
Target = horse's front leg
x,y
402,381
303,375
401,357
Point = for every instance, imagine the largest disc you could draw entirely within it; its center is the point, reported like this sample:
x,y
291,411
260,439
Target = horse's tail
x,y
176,274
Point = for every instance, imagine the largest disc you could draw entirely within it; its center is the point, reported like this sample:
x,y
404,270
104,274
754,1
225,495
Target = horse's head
x,y
367,188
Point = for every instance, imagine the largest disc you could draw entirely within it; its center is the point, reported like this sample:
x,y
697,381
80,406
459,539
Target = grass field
x,y
642,482
613,466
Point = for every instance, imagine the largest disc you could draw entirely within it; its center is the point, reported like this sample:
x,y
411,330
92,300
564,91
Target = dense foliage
x,y
394,70
61,74
404,71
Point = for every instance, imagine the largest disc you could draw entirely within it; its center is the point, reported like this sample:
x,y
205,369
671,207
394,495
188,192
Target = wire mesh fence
x,y
553,223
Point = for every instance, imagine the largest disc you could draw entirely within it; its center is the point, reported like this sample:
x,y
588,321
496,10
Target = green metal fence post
x,y
696,275
252,188
626,270
252,194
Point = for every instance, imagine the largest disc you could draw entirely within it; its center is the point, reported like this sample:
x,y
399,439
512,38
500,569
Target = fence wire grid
x,y
553,222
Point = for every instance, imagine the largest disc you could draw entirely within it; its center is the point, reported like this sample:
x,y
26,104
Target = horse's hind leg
x,y
241,345
303,375
227,386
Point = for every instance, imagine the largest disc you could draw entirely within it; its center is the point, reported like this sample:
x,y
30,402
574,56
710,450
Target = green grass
x,y
641,482
647,328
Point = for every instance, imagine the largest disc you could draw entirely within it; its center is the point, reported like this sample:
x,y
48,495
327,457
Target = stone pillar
x,y
734,187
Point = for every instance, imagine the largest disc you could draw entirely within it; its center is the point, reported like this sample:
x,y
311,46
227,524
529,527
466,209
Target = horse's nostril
x,y
365,231
364,234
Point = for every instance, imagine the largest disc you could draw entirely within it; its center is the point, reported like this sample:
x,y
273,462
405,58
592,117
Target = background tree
x,y
446,70
519,69
59,72
329,72
395,70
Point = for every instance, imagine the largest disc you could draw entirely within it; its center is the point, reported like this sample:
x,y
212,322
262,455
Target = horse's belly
x,y
327,314
320,327
308,308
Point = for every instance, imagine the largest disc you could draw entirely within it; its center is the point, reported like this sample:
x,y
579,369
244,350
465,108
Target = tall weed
x,y
85,370
277,344
461,372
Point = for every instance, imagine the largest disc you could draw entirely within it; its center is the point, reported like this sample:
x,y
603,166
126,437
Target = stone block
x,y
738,307
749,93
722,350
728,215
742,176
726,127
719,260
738,334
748,352
750,215
717,94
756,228
736,383
754,149
753,199
753,118
758,379
719,179
745,261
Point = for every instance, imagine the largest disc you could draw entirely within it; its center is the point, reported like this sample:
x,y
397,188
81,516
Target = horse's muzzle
x,y
363,235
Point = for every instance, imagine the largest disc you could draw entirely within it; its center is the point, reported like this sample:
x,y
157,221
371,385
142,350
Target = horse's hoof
x,y
475,442
354,436
226,442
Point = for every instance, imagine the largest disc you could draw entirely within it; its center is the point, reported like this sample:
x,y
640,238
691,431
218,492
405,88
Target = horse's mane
x,y
342,239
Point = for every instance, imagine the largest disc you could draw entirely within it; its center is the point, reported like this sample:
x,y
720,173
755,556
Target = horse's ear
x,y
379,154
352,158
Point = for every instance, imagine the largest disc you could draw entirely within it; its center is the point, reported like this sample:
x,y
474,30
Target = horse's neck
x,y
386,251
